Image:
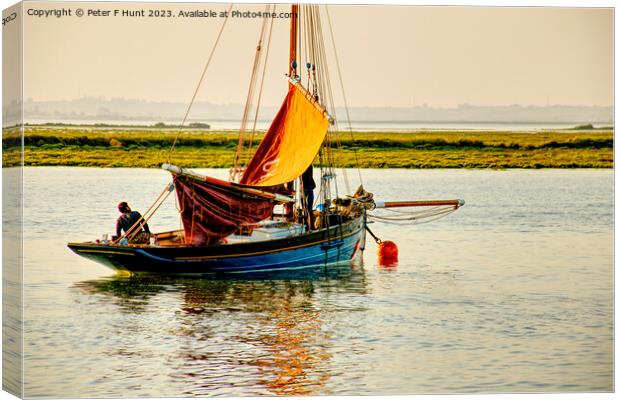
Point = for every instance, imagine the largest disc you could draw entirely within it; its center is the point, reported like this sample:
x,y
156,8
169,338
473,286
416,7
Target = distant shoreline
x,y
368,126
119,111
148,148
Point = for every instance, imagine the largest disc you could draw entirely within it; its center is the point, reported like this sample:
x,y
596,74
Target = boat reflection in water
x,y
228,336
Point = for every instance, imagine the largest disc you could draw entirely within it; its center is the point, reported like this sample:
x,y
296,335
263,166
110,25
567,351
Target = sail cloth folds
x,y
212,210
291,143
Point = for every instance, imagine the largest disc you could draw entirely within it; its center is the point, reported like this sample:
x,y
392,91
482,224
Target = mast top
x,y
292,61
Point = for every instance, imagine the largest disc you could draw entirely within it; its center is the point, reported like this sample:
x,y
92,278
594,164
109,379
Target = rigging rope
x,y
417,217
329,97
249,98
260,90
137,227
204,71
314,58
316,53
344,97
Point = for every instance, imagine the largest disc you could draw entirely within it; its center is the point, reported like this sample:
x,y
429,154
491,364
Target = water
x,y
358,126
512,293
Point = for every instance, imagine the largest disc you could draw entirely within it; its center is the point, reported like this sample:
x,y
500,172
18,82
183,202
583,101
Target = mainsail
x,y
291,143
213,209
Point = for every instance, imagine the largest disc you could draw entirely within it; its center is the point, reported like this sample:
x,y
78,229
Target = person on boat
x,y
308,184
127,220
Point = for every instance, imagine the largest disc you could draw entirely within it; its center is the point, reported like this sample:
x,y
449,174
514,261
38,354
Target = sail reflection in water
x,y
259,336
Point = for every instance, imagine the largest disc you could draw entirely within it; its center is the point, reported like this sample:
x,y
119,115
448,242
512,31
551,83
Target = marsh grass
x,y
206,149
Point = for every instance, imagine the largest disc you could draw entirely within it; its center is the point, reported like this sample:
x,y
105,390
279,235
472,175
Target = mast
x,y
292,71
292,61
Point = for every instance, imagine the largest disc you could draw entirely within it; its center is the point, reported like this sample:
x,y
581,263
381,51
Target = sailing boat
x,y
262,220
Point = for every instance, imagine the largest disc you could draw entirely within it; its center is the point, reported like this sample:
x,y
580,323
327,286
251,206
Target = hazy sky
x,y
391,55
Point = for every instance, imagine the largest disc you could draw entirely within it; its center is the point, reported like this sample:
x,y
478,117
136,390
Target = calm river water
x,y
512,293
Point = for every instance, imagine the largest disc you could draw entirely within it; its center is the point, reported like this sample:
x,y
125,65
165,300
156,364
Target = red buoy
x,y
387,252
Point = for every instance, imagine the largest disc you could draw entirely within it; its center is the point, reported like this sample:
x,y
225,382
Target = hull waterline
x,y
323,247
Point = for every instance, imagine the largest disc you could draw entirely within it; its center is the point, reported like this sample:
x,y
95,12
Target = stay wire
x,y
250,95
344,97
204,71
260,90
327,94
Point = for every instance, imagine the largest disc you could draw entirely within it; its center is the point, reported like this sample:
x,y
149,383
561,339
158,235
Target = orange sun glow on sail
x,y
291,143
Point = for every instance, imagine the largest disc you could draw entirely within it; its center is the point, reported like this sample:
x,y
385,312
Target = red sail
x,y
213,209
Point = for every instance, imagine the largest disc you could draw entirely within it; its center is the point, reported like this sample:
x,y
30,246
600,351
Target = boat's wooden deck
x,y
266,230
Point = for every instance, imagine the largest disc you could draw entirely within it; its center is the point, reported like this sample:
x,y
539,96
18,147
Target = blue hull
x,y
327,246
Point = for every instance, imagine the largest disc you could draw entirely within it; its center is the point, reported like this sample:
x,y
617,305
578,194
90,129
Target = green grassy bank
x,y
57,146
